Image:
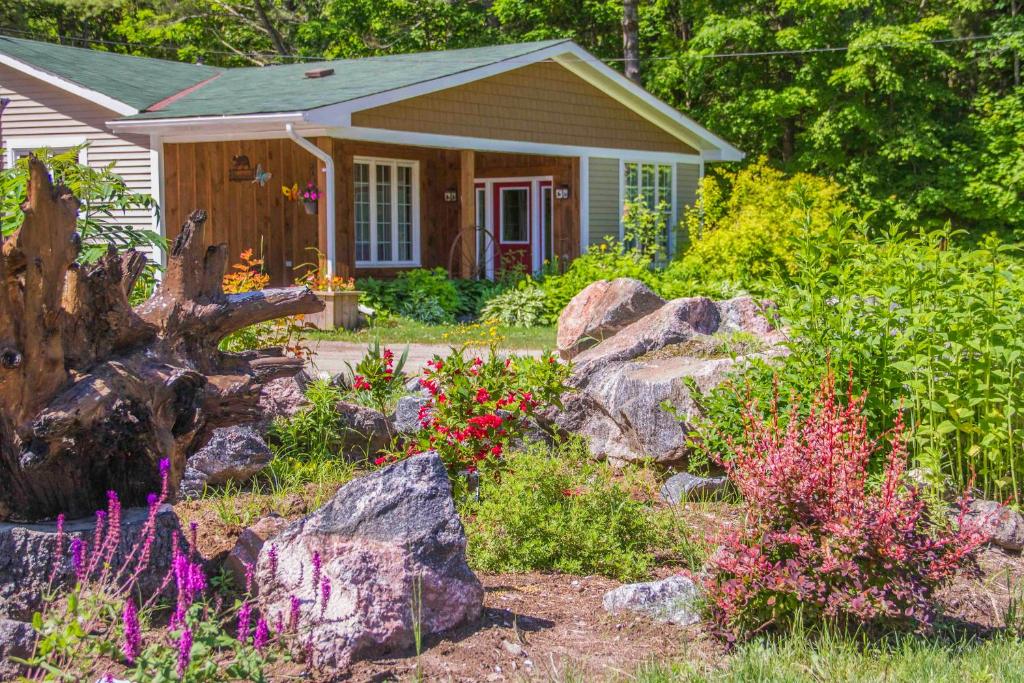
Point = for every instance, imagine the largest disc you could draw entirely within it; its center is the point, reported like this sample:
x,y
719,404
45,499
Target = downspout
x,y
329,194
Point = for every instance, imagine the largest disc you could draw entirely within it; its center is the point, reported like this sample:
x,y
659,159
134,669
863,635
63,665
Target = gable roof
x,y
283,87
107,77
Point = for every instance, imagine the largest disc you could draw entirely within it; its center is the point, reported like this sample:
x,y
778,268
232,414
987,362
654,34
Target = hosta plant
x,y
820,539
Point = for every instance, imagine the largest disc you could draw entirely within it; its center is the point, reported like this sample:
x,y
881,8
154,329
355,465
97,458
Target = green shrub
x,y
928,327
563,512
474,294
745,221
427,296
522,306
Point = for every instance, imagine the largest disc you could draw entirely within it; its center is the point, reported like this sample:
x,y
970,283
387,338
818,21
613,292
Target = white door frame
x,y
536,217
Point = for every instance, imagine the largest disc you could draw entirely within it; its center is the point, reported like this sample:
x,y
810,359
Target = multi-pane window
x,y
652,183
385,207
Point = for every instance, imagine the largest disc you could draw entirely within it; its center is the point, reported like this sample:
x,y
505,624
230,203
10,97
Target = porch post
x,y
327,145
467,212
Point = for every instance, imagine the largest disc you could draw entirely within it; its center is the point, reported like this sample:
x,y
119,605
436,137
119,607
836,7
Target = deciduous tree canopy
x,y
916,107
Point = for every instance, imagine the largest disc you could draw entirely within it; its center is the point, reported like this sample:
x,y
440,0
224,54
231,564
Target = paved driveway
x,y
331,356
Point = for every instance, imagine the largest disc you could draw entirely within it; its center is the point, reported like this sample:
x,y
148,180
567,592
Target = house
x,y
473,160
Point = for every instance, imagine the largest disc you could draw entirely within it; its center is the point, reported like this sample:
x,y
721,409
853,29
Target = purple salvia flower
x,y
184,652
249,576
132,633
152,500
193,537
279,623
58,557
78,557
294,613
113,537
325,595
272,560
244,615
96,549
317,566
262,636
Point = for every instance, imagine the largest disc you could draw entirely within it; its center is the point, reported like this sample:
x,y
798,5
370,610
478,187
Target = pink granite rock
x,y
602,309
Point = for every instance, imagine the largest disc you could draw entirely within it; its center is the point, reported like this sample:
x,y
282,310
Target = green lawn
x,y
404,331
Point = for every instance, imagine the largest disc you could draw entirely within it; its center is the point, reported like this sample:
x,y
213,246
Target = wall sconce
x,y
562,192
451,196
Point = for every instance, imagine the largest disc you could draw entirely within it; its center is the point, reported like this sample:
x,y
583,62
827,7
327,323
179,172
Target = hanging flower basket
x,y
310,206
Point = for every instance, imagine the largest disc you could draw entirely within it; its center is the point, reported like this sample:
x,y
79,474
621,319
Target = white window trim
x,y
673,208
373,162
526,187
12,146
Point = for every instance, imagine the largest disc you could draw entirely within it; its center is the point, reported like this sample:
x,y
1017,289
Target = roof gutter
x,y
329,169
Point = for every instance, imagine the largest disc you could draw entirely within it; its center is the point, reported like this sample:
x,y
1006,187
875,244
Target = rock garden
x,y
684,488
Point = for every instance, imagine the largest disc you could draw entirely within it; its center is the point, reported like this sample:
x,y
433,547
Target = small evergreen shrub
x,y
563,512
819,539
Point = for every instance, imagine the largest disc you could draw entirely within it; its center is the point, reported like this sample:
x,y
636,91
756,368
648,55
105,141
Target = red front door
x,y
513,227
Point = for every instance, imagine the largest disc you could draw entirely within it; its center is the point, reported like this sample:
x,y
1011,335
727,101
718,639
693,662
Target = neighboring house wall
x,y
687,182
40,112
605,212
542,103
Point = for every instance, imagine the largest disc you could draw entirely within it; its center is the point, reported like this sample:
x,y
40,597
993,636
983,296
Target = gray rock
x,y
389,542
602,309
249,544
674,600
28,553
678,321
283,397
366,431
619,407
17,639
233,454
746,314
407,413
686,486
1005,524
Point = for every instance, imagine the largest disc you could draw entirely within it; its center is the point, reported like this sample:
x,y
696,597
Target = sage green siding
x,y
604,199
687,181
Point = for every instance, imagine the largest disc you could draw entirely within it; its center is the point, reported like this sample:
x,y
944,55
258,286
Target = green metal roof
x,y
283,88
136,81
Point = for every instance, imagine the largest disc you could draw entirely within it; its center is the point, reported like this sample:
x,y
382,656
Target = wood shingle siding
x,y
542,103
40,111
604,199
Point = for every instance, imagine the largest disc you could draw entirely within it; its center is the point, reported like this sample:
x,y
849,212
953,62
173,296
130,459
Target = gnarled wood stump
x,y
94,393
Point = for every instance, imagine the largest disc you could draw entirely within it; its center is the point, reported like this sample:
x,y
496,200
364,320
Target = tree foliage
x,y
917,108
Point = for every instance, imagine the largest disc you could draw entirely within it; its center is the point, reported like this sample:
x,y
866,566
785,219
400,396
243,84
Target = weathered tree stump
x,y
94,393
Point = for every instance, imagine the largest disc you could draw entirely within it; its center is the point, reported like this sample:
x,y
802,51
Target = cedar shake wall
x,y
543,103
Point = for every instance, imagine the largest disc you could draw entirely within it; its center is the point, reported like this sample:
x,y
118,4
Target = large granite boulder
x,y
622,385
17,639
233,454
28,554
250,542
389,544
675,600
602,309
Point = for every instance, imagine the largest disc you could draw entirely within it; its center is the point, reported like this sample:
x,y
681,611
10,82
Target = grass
x,y
799,657
405,331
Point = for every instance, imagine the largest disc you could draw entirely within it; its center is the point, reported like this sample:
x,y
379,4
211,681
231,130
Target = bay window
x,y
386,212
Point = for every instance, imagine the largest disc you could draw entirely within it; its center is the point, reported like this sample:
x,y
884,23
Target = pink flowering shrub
x,y
479,406
818,538
104,625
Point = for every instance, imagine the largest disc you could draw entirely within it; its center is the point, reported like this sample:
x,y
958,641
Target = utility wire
x,y
611,60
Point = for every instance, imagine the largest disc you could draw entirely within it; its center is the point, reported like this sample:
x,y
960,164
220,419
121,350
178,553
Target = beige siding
x,y
41,110
542,103
687,181
604,199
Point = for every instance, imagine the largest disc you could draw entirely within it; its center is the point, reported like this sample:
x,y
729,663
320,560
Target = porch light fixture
x,y
451,195
562,192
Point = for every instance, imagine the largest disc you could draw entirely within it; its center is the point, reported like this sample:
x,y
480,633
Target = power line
x,y
610,60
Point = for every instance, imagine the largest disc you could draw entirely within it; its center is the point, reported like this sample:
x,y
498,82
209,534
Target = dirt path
x,y
331,356
542,627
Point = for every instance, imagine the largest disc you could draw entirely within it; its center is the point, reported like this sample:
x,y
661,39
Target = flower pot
x,y
341,309
310,206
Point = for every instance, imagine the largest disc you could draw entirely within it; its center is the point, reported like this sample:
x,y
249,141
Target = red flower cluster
x,y
359,383
819,537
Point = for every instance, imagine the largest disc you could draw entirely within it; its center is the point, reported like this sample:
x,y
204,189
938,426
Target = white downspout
x,y
329,194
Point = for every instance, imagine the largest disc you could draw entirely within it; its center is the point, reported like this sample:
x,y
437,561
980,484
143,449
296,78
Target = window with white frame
x,y
652,183
18,148
386,211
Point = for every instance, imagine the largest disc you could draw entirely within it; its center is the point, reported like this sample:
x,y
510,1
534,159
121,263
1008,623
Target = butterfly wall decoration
x,y
261,176
292,193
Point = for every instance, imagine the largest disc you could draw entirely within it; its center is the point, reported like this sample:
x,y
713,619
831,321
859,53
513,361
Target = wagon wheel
x,y
485,240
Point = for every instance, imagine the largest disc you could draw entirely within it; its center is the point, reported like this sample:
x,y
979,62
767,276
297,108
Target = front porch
x,y
397,207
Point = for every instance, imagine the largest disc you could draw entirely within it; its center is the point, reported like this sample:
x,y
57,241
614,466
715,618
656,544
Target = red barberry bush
x,y
822,539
